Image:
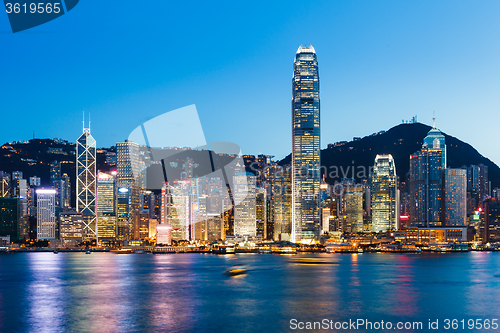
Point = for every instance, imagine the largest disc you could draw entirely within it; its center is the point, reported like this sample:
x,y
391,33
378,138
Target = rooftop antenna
x,y
433,119
83,121
89,122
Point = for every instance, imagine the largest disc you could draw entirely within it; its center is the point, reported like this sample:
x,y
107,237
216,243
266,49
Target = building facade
x,y
86,182
305,147
245,208
455,197
46,213
426,187
384,198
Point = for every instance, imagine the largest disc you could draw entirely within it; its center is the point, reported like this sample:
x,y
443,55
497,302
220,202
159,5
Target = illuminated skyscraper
x,y
106,217
245,209
176,209
261,212
46,214
305,146
127,165
282,203
55,181
86,185
426,185
436,140
384,194
122,214
67,191
455,197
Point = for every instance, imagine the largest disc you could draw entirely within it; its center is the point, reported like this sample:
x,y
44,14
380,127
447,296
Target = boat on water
x,y
237,270
223,249
122,251
87,252
311,261
56,252
401,248
342,248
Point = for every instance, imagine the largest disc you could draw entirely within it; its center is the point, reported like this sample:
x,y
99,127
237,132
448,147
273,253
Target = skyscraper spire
x,y
433,119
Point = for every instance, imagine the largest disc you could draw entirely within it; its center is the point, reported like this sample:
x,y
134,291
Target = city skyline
x,y
218,185
443,202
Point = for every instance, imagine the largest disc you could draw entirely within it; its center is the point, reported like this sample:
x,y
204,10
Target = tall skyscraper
x,y
46,214
55,172
455,197
66,200
176,209
55,181
86,185
282,203
384,194
127,166
261,212
353,212
305,147
122,214
426,184
245,210
106,217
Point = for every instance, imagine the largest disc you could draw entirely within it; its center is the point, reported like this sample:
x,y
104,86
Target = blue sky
x,y
380,62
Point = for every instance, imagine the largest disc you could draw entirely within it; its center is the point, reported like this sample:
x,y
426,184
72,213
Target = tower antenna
x,y
433,119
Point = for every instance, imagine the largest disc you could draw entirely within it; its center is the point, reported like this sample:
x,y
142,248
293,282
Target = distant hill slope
x,y
400,141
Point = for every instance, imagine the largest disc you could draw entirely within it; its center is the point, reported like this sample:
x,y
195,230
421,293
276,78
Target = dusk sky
x,y
126,62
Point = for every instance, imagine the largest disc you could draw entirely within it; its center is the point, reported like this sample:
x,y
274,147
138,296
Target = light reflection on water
x,y
103,292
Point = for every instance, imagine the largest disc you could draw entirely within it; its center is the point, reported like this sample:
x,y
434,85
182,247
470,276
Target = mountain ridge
x,y
400,141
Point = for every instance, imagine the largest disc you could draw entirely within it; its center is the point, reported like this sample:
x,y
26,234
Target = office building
x,y
122,214
305,147
86,182
175,209
261,212
71,227
455,197
282,203
384,194
127,167
9,218
436,140
426,185
46,214
245,209
353,208
106,216
66,194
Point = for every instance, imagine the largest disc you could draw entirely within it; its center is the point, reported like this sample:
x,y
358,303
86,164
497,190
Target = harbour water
x,y
104,292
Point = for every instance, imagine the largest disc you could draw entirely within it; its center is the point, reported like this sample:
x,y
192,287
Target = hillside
x,y
401,141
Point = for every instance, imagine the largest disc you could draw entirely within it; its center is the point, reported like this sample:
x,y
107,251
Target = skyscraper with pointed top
x,y
86,185
305,146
